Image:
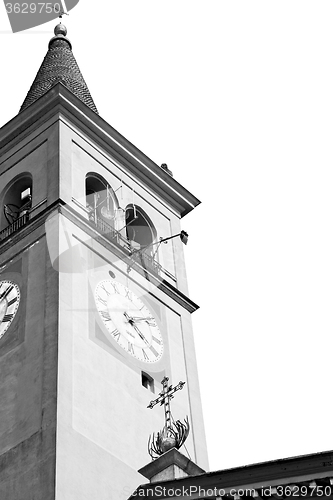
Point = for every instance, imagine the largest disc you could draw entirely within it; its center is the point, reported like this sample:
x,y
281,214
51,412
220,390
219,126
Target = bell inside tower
x,y
99,199
139,228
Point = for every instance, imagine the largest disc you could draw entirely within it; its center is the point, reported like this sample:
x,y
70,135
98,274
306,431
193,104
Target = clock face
x,y
128,321
9,302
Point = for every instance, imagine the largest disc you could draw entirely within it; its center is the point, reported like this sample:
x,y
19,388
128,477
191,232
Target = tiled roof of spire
x,y
59,65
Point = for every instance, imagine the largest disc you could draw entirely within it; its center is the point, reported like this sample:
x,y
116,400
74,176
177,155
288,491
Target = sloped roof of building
x,y
59,65
306,476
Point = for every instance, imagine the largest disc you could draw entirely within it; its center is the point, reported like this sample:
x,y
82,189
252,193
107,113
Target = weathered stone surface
x,y
27,472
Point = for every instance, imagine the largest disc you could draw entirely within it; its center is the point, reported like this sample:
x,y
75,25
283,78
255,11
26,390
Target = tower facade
x,y
94,310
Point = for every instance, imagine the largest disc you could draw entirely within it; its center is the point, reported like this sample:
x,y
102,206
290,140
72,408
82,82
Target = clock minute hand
x,y
140,334
140,318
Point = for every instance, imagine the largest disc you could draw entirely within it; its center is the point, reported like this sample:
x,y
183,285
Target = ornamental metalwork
x,y
174,433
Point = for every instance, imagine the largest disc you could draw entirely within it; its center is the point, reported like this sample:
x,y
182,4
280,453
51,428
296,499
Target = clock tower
x,y
94,308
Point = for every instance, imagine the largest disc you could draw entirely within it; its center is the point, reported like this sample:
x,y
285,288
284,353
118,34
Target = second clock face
x,y
128,321
9,302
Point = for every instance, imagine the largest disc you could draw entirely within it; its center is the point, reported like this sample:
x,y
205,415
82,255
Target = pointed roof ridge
x,y
59,65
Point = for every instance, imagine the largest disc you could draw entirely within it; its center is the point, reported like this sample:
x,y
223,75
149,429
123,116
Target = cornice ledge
x,y
106,137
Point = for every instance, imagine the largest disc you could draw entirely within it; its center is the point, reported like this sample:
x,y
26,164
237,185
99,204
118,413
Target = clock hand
x,y
131,319
131,322
140,334
128,317
149,321
140,318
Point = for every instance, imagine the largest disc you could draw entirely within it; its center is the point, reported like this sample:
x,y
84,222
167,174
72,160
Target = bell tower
x,y
94,305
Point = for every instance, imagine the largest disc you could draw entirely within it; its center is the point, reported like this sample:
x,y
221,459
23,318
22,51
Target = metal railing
x,y
109,232
150,264
145,260
20,221
15,226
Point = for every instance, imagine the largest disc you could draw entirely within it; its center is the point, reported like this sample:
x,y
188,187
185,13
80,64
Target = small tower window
x,y
147,382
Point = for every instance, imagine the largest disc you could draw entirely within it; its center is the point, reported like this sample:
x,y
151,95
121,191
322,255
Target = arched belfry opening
x,y
140,230
100,200
16,202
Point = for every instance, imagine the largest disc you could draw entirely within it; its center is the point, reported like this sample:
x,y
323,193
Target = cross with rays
x,y
164,398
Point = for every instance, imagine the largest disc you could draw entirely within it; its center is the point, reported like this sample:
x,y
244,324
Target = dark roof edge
x,y
304,466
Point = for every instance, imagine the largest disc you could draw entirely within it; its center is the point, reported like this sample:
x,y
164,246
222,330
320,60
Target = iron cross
x,y
164,399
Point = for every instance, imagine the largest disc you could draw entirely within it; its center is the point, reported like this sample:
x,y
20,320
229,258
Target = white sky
x,y
237,98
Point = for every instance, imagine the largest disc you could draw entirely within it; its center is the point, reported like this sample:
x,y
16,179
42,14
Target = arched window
x,y
139,227
100,199
16,202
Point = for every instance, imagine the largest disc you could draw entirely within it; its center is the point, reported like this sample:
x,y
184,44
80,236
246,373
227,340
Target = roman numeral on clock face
x,y
105,315
116,334
7,317
6,292
153,351
156,340
145,355
102,301
105,290
11,302
130,348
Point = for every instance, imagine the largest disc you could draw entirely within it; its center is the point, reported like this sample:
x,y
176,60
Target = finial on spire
x,y
60,29
60,32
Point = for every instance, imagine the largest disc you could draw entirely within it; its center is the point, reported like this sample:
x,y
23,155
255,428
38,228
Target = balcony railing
x,y
109,232
15,226
145,260
22,220
150,264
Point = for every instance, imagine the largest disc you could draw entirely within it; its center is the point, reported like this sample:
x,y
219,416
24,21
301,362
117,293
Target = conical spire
x,y
59,65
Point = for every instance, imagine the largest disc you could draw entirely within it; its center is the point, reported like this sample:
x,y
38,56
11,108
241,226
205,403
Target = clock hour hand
x,y
131,322
128,317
